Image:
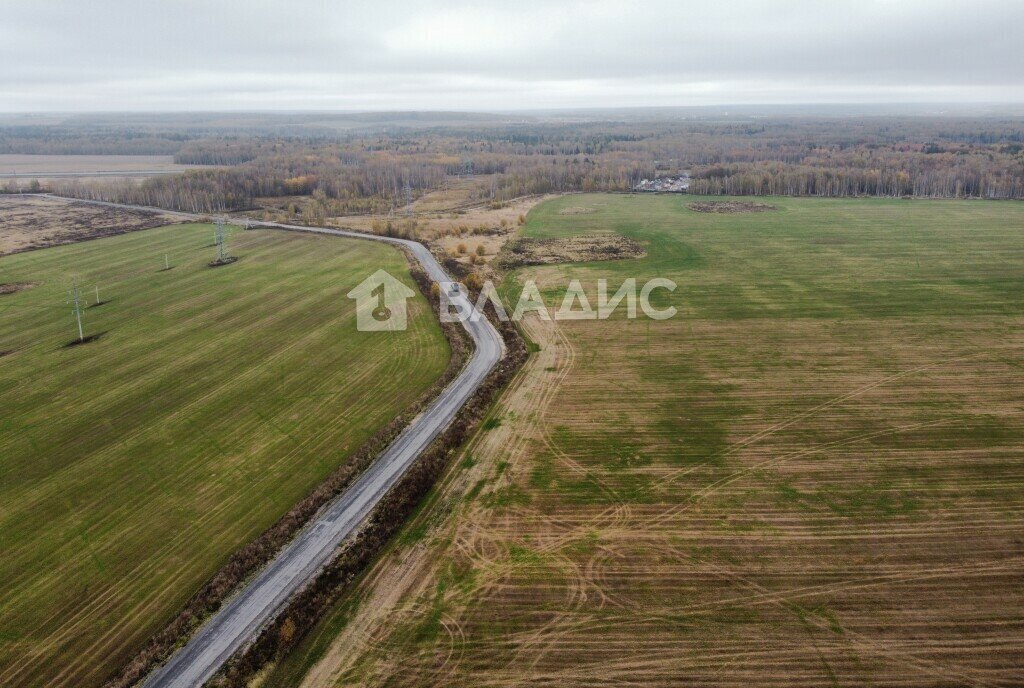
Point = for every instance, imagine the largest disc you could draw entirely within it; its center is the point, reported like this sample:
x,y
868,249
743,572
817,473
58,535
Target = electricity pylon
x,y
222,243
408,199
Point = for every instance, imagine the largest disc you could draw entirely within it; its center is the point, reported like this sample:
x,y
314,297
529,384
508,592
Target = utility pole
x,y
167,262
78,312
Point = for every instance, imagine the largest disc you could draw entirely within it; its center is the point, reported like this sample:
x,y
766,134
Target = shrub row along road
x,y
239,621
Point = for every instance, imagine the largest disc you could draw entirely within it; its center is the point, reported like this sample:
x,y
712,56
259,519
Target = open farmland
x,y
812,475
212,401
46,166
33,222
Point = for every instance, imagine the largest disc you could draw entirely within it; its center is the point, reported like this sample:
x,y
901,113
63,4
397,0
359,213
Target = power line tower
x,y
76,305
222,241
408,198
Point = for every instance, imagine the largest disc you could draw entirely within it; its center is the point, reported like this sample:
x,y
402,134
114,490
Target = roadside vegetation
x,y
809,476
207,403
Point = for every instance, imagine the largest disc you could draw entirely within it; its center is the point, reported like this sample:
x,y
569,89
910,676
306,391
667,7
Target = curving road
x,y
240,620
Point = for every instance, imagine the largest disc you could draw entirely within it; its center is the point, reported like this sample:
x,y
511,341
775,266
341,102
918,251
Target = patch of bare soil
x,y
15,287
580,249
225,261
577,210
729,207
32,222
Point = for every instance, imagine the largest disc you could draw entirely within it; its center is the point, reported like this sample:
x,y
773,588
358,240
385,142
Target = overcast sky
x,y
503,54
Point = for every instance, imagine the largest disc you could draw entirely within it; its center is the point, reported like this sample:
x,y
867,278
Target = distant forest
x,y
371,166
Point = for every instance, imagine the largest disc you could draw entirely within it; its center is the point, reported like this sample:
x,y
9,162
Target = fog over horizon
x,y
187,55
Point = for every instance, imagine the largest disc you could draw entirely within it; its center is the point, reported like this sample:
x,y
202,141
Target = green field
x,y
215,398
812,475
813,258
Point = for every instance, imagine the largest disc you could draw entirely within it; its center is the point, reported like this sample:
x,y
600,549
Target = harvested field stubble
x,y
33,222
810,476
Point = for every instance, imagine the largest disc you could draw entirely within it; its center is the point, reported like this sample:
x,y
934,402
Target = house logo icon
x,y
380,303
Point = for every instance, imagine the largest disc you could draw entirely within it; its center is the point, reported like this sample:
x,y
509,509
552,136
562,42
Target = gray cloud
x,y
356,54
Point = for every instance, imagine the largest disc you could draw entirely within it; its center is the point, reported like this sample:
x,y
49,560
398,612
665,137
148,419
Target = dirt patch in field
x,y
726,207
586,248
577,210
31,222
15,287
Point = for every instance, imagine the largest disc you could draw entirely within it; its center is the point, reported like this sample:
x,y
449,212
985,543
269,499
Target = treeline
x,y
773,179
201,191
57,143
359,178
376,173
217,152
